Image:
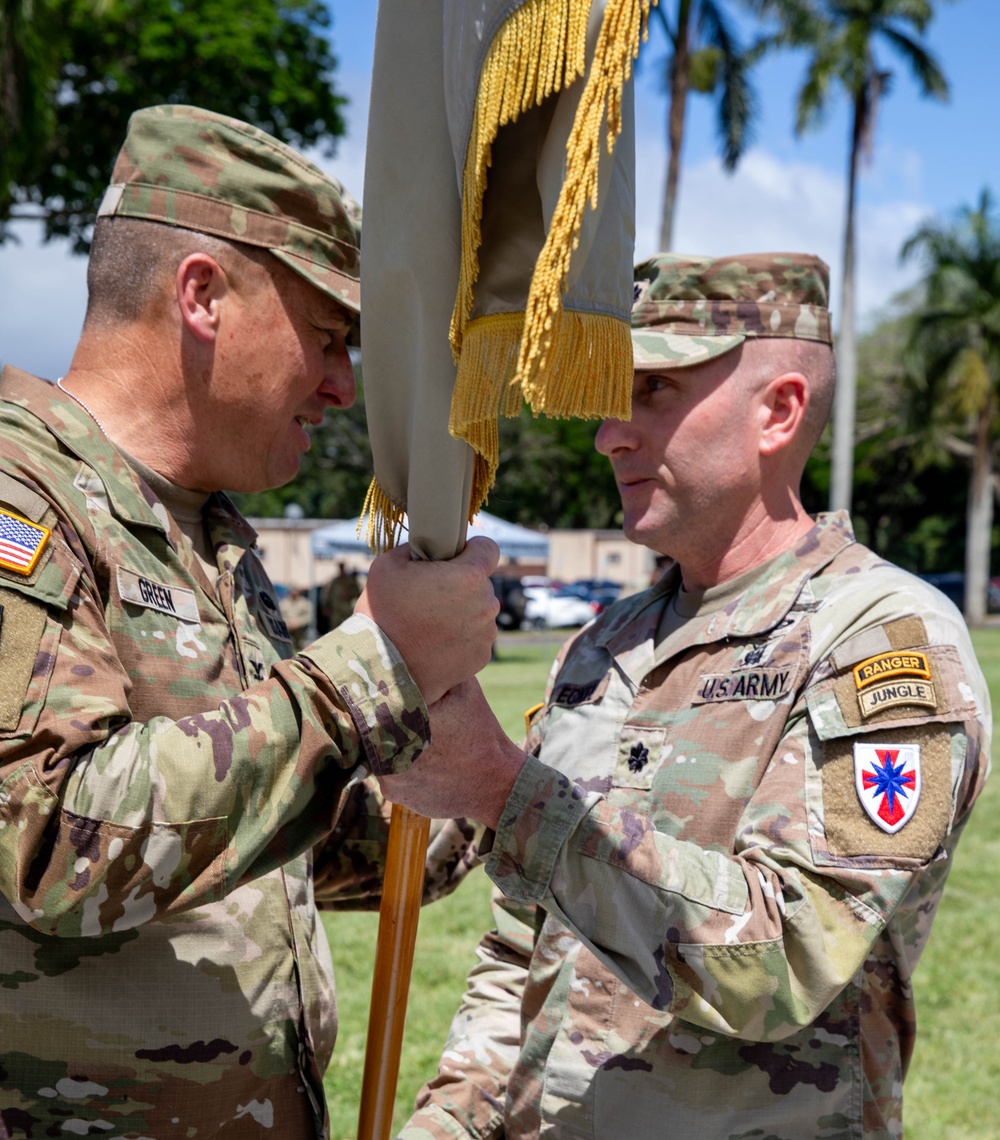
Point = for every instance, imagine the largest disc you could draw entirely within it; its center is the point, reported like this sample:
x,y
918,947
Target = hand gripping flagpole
x,y
474,302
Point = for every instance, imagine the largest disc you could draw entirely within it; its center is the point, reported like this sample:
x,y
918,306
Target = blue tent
x,y
514,541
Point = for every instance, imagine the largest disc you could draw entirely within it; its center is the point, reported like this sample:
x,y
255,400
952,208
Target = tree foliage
x,y
704,56
75,70
843,39
954,357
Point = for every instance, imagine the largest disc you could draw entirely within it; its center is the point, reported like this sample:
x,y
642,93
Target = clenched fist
x,y
441,616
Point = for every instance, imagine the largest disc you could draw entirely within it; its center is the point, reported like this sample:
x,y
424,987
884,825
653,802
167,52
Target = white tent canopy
x,y
514,541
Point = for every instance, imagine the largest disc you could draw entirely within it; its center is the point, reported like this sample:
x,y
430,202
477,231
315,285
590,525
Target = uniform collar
x,y
630,632
229,532
77,430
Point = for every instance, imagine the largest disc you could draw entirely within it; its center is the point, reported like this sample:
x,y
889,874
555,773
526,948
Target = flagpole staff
x,y
469,308
397,933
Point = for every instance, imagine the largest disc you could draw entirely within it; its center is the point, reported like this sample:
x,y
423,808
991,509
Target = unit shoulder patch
x,y
887,778
22,622
887,795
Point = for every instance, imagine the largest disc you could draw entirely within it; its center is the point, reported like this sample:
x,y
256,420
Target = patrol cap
x,y
688,310
192,168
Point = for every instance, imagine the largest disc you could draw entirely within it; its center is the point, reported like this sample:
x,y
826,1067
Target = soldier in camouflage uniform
x,y
721,854
169,771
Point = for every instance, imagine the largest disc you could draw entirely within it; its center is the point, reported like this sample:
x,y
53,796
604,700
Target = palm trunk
x,y
845,396
979,521
679,80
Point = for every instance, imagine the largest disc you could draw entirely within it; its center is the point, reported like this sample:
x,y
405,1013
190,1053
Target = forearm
x,y
693,931
110,822
349,864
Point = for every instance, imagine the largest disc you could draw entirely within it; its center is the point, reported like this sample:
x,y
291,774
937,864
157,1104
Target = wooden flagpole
x,y
397,931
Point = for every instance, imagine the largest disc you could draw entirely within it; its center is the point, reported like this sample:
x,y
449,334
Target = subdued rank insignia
x,y
638,757
887,777
21,542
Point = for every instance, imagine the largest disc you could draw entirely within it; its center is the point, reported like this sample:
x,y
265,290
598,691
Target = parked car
x,y
598,583
599,590
602,597
560,608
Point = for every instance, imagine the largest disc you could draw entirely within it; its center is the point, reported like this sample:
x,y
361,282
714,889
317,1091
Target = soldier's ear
x,y
200,286
783,409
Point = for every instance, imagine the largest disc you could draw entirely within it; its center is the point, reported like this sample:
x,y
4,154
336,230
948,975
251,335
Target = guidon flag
x,y
887,777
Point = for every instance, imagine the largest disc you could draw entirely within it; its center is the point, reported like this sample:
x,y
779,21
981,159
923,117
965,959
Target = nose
x,y
339,385
614,436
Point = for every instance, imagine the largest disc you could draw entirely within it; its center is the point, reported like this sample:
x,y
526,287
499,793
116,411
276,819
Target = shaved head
x,y
132,266
762,359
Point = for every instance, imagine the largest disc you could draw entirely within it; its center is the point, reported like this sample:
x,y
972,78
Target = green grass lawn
x,y
952,1088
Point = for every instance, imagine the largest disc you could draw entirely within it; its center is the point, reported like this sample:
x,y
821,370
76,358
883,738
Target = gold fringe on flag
x,y
540,49
587,350
563,364
384,519
624,24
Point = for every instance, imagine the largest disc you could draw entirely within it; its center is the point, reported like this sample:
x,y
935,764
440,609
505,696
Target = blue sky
x,y
788,193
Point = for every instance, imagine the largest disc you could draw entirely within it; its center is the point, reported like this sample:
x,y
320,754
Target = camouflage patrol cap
x,y
192,168
688,310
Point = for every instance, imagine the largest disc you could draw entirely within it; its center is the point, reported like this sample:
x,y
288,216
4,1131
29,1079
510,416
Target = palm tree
x,y
841,37
704,57
955,342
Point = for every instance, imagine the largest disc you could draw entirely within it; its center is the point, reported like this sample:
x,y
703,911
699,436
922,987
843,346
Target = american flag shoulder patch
x,y
21,542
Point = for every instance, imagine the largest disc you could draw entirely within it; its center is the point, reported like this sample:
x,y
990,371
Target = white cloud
x,y
768,203
771,204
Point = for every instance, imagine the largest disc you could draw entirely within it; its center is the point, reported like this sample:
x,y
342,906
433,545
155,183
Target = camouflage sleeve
x,y
106,823
349,865
466,1098
754,941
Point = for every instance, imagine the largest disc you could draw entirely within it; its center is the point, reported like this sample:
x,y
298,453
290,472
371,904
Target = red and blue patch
x,y
887,777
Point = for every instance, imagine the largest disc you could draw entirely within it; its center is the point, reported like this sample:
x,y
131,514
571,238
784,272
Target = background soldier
x,y
722,849
166,765
297,610
337,598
